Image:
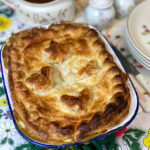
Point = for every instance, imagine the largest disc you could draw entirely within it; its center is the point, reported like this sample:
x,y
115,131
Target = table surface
x,y
135,137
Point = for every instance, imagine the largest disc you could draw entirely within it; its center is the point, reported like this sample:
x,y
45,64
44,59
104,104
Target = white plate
x,y
136,55
131,44
138,17
131,115
133,50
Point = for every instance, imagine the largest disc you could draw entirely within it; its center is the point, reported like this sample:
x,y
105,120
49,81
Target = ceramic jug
x,y
100,13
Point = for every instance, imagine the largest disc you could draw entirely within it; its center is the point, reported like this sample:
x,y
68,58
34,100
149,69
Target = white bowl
x,y
43,13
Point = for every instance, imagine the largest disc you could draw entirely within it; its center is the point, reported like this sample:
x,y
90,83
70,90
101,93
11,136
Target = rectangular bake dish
x,y
127,120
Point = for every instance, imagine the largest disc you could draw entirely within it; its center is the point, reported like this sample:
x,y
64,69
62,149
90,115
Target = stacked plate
x,y
138,33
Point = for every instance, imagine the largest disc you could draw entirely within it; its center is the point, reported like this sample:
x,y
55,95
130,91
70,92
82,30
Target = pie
x,y
65,85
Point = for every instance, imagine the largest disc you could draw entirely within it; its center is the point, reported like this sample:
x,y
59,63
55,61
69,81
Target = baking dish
x,y
132,111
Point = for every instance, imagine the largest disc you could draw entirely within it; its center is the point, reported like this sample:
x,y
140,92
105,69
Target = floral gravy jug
x,y
100,13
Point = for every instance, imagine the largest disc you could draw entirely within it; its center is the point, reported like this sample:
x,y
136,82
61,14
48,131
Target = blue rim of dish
x,y
98,137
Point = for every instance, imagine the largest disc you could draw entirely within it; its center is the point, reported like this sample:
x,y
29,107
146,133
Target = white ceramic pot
x,y
43,13
99,17
123,7
101,3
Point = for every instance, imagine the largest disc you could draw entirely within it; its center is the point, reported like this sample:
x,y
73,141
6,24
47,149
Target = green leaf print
x,y
1,80
133,145
116,146
105,144
3,141
86,147
63,149
136,132
1,43
2,91
1,111
28,147
76,148
10,141
132,137
1,4
8,12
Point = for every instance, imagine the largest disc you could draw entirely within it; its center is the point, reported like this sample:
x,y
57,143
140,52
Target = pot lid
x,y
101,3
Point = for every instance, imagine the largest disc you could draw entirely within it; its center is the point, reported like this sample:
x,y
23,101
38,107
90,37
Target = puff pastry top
x,y
64,83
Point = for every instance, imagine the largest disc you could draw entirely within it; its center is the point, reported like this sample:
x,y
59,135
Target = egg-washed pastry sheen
x,y
64,84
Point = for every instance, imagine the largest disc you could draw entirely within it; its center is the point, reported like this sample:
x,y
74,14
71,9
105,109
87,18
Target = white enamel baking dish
x,y
132,111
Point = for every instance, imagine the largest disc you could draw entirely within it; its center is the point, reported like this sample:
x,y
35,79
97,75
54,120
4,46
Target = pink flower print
x,y
147,82
142,96
102,20
9,7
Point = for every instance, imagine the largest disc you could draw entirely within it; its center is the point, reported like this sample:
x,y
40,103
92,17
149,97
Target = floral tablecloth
x,y
135,137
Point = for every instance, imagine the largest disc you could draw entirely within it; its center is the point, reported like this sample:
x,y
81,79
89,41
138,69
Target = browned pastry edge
x,y
97,122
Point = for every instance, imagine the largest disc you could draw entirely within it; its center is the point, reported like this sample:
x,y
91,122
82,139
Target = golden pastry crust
x,y
64,84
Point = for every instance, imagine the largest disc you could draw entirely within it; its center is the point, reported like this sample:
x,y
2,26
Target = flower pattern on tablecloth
x,y
7,115
130,138
1,113
7,129
4,23
142,96
2,91
146,140
3,102
120,133
8,12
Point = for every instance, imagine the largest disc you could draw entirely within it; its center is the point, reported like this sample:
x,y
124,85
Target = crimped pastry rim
x,y
102,135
